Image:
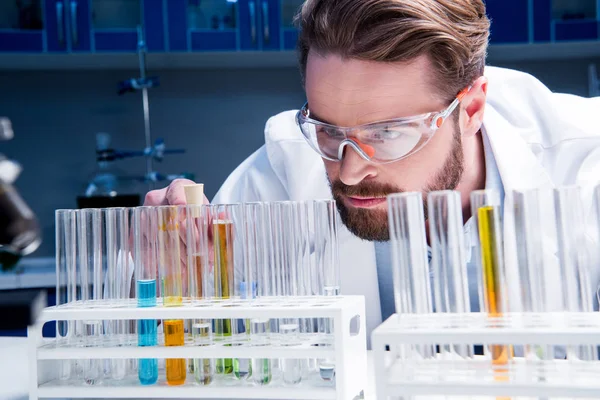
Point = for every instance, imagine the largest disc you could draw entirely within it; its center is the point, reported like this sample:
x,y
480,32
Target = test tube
x,y
410,266
145,236
91,260
327,263
222,224
199,287
574,260
535,276
117,256
66,259
485,210
171,273
256,218
450,285
284,273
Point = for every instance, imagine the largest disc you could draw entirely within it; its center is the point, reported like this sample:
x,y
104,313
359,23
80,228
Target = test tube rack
x,y
400,374
347,348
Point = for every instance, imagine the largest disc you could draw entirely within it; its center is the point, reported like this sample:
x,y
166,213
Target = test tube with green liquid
x,y
223,241
145,253
170,229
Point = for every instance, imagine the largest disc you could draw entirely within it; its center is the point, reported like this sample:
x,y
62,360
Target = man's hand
x,y
174,195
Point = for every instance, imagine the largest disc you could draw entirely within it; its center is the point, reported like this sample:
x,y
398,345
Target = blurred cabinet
x,y
79,25
111,25
575,19
289,9
509,21
224,25
23,25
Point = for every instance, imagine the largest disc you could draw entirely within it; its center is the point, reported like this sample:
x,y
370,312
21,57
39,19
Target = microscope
x,y
20,235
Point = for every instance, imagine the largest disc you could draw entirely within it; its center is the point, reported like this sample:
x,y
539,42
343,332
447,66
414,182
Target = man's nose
x,y
353,166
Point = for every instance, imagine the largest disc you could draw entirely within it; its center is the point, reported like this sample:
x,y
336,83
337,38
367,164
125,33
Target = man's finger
x,y
156,197
176,192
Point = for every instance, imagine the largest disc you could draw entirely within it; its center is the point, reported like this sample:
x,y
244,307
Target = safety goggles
x,y
379,142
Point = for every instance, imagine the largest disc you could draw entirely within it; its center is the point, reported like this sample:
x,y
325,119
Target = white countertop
x,y
14,372
30,272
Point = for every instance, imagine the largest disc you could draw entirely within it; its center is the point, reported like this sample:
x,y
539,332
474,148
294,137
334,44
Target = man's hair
x,y
452,33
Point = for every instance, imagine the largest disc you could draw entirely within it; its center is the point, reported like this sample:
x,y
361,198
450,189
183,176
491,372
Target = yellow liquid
x,y
222,236
489,260
174,336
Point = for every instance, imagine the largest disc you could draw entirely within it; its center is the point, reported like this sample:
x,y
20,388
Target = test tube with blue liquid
x,y
145,253
327,263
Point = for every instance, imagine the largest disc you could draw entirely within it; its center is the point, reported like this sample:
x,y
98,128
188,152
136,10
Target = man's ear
x,y
473,107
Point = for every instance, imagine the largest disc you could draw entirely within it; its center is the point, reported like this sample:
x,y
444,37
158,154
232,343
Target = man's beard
x,y
373,224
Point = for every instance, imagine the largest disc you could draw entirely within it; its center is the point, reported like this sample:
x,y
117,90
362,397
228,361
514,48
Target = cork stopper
x,y
194,194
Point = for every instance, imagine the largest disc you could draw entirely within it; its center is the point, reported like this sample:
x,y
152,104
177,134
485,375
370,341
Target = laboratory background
x,y
86,83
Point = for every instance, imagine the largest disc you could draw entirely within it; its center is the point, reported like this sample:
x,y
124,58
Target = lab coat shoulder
x,y
284,168
560,129
253,180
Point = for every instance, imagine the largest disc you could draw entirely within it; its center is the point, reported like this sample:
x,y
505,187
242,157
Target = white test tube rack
x,y
348,350
450,376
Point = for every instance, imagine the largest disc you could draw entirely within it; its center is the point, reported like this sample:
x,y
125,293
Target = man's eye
x,y
331,132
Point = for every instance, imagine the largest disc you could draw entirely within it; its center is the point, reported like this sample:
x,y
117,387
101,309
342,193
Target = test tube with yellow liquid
x,y
485,207
170,230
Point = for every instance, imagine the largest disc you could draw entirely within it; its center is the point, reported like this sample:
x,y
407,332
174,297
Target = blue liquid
x,y
147,332
146,293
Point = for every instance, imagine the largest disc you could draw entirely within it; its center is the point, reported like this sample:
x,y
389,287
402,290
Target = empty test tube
x,y
450,285
92,261
257,284
575,262
485,206
410,267
117,258
145,231
171,271
327,263
285,277
66,259
535,276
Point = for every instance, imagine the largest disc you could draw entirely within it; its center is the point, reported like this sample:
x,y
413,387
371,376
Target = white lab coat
x,y
539,139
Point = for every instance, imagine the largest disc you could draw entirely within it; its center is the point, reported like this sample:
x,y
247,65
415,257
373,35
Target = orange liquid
x,y
174,336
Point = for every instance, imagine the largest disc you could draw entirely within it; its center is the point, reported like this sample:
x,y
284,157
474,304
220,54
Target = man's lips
x,y
365,202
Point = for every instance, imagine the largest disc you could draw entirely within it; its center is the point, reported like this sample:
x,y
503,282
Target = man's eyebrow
x,y
317,118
